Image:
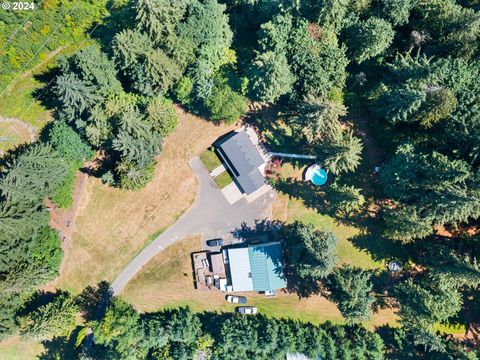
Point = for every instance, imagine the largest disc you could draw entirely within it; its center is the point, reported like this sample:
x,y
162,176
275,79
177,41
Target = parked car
x,y
247,310
236,299
270,293
215,242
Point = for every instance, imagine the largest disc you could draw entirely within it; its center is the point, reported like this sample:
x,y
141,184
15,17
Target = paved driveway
x,y
210,215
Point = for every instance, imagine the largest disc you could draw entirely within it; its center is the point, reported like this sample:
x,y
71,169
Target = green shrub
x,y
162,115
63,195
183,90
46,251
134,177
68,143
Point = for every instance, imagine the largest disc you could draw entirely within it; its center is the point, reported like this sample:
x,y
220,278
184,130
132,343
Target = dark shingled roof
x,y
243,159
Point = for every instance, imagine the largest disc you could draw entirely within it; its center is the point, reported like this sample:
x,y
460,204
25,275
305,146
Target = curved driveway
x,y
210,215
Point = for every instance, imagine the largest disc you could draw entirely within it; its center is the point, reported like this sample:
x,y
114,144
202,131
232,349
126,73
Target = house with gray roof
x,y
256,267
245,158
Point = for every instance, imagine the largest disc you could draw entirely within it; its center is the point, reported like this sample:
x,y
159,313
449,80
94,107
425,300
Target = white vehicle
x,y
270,293
247,310
236,299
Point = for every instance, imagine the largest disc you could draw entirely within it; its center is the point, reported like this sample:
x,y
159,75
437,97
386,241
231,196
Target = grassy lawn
x,y
210,160
167,281
113,225
291,209
453,329
16,349
13,134
18,102
223,179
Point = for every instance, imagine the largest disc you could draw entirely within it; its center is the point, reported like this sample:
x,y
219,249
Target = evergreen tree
x,y
319,119
434,184
33,175
68,143
452,29
94,68
342,153
122,330
369,38
332,13
159,73
405,224
205,31
132,176
317,66
159,18
346,200
310,253
352,291
75,96
397,12
224,104
434,299
270,77
162,116
239,336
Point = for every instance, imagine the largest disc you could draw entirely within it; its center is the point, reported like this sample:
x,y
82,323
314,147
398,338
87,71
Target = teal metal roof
x,y
266,266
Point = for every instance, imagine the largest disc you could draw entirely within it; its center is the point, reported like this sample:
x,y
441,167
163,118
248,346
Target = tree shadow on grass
x,y
277,130
379,247
60,347
263,229
46,94
311,196
38,299
370,239
121,16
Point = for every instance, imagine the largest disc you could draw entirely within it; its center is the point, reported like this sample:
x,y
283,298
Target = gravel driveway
x,y
210,216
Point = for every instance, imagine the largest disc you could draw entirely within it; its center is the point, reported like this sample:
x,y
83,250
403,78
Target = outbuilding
x,y
256,267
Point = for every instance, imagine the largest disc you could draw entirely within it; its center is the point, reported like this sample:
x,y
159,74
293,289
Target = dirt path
x,y
375,155
50,56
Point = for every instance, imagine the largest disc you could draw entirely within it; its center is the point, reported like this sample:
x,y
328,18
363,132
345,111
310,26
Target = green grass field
x,y
210,159
167,282
223,179
346,251
16,349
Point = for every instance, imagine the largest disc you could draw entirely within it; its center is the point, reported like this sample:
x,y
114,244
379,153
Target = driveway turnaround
x,y
211,216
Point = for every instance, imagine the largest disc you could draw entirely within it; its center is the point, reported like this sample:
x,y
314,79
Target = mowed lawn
x,y
114,225
13,134
211,161
16,349
167,281
289,209
19,102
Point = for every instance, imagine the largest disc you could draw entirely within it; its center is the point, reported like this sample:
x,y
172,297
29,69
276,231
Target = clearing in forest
x,y
113,225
